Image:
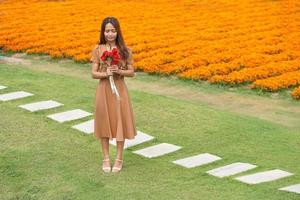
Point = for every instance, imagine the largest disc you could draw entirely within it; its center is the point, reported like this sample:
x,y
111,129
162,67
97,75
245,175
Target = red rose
x,y
111,56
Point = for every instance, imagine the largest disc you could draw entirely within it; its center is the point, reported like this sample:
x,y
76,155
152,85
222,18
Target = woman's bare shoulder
x,y
98,48
129,51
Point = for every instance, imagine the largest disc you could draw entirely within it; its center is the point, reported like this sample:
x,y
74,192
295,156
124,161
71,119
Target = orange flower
x,y
296,93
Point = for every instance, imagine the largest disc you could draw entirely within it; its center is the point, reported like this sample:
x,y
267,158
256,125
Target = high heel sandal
x,y
117,169
106,169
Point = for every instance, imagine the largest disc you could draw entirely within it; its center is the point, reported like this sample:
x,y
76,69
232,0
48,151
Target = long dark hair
x,y
123,50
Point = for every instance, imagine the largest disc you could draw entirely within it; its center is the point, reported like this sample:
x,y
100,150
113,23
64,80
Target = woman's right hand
x,y
108,71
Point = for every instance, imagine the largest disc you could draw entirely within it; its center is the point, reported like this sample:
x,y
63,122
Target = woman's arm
x,y
130,70
96,74
95,66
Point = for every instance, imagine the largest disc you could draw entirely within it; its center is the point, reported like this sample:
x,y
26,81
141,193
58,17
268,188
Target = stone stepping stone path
x,y
69,115
41,105
265,176
86,127
291,188
197,160
157,150
2,87
232,169
139,138
14,95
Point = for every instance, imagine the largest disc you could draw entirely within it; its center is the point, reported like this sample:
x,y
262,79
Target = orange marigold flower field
x,y
296,93
256,42
278,82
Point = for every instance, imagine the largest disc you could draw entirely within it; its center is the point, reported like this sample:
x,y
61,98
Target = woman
x,y
113,117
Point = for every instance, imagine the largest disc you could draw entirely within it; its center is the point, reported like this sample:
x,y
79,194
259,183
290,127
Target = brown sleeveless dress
x,y
113,118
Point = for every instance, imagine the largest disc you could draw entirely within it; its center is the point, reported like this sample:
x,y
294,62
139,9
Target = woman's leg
x,y
105,147
105,151
120,146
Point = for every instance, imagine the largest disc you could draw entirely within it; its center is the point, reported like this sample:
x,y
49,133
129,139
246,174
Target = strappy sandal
x,y
106,169
117,169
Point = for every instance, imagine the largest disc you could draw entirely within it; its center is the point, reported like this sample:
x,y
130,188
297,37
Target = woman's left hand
x,y
115,69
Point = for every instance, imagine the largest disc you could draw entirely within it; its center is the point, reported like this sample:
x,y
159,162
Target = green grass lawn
x,y
43,159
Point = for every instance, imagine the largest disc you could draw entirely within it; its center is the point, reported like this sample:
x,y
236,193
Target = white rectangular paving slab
x,y
157,150
265,176
86,127
292,188
197,160
139,138
231,169
41,105
14,95
2,87
69,115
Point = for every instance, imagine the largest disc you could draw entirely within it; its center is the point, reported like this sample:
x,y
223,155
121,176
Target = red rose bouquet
x,y
112,58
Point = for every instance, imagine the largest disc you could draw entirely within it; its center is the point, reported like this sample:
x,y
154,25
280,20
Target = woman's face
x,y
110,32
